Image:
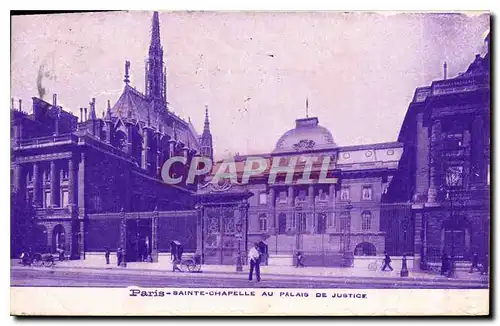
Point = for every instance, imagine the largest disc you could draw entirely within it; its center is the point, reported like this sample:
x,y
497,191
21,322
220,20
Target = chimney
x,y
20,105
81,114
54,100
85,110
445,70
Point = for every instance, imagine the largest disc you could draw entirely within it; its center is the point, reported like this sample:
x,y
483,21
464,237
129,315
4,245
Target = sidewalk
x,y
325,273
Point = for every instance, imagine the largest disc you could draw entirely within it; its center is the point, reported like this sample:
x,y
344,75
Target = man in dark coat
x,y
387,262
445,263
486,264
106,255
119,256
300,259
474,263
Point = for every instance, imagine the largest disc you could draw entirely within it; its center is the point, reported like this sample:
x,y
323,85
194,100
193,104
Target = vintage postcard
x,y
250,163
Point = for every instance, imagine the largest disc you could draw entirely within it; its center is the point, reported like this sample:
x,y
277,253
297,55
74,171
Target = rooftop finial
x,y
127,68
445,70
307,107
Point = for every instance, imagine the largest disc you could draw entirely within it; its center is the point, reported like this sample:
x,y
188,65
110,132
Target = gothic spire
x,y
155,75
155,44
206,127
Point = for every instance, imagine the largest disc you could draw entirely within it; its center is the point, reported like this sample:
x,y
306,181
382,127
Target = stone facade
x,y
444,169
66,170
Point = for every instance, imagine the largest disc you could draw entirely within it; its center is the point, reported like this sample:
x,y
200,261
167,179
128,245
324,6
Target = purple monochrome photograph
x,y
307,159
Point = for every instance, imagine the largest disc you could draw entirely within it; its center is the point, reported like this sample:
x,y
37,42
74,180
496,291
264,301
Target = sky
x,y
254,70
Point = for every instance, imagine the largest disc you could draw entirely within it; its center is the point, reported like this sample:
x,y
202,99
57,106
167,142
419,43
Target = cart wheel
x,y
190,265
37,261
197,267
48,263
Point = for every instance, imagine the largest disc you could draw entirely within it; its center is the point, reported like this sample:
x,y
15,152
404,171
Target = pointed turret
x,y
206,148
93,116
155,74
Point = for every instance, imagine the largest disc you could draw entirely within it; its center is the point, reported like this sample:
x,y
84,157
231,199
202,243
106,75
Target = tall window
x,y
262,198
366,193
64,198
331,219
345,222
283,197
46,199
366,220
262,222
345,193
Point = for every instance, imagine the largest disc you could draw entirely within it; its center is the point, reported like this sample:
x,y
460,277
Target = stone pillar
x,y
171,148
291,200
71,185
81,242
19,179
37,185
146,149
422,160
81,185
159,164
123,237
418,227
154,235
199,231
244,222
435,164
272,202
54,186
311,211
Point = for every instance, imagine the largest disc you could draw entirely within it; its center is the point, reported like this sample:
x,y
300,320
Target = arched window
x,y
262,222
365,249
366,220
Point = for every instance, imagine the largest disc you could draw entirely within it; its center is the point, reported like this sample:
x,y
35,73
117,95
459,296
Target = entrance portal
x,y
139,234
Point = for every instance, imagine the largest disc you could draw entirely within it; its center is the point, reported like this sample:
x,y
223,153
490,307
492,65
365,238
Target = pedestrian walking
x,y
254,261
474,263
486,264
300,260
119,256
387,262
445,263
106,255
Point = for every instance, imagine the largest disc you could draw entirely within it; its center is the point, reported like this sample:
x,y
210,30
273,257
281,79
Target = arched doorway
x,y
282,223
58,238
365,249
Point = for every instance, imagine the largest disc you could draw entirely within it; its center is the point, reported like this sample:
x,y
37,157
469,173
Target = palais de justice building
x,y
87,183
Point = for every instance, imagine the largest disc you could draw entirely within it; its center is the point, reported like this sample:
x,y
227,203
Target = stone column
x,y
154,235
81,186
71,185
311,211
272,202
199,231
54,187
145,149
290,200
123,237
331,194
435,161
81,242
19,179
422,160
159,164
37,184
171,148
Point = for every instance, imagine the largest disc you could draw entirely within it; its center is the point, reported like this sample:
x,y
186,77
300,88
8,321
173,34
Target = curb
x,y
163,271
